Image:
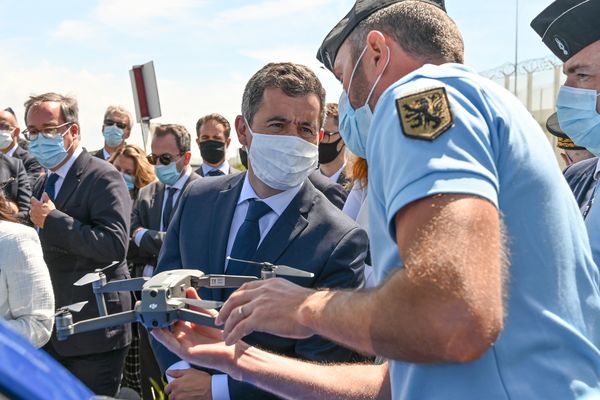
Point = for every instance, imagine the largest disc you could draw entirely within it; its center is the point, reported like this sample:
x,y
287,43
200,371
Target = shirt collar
x,y
278,202
12,150
182,179
64,170
224,168
105,154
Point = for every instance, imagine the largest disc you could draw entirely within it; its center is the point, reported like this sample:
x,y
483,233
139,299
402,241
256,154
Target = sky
x,y
204,51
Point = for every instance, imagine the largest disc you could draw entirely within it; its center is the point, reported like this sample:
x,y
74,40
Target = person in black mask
x,y
332,157
213,140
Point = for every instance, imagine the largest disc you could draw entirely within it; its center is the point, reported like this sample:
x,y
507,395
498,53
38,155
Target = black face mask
x,y
212,151
328,151
243,157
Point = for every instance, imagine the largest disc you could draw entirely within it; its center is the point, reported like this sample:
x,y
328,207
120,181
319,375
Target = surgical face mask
x,y
212,151
578,118
354,124
6,138
329,151
167,174
113,135
281,162
49,152
129,180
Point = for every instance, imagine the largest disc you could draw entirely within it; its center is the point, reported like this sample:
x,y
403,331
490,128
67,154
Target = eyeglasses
x,y
110,122
49,132
327,133
164,159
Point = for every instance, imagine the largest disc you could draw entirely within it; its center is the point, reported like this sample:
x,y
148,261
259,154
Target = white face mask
x,y
6,138
281,162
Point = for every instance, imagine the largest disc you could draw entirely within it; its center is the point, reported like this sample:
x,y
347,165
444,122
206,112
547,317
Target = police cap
x,y
568,26
564,142
360,11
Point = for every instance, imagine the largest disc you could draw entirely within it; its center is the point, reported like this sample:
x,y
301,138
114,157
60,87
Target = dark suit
x,y
334,192
311,234
580,177
147,212
232,170
14,180
99,154
89,229
32,166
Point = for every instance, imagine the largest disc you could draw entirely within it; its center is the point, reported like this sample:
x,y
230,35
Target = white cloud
x,y
141,12
268,10
72,29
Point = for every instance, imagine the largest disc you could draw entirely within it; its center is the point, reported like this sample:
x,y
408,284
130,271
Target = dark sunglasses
x,y
164,159
110,122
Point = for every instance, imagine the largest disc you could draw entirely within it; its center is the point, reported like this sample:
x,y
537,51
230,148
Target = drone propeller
x,y
72,308
278,269
207,304
93,276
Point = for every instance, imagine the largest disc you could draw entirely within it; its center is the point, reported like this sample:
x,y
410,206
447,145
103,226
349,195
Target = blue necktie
x,y
247,239
168,207
51,185
215,172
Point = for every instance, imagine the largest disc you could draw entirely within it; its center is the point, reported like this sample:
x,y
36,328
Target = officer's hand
x,y
274,306
40,210
189,384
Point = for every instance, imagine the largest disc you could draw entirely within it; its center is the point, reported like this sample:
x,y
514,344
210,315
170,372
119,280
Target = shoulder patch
x,y
426,114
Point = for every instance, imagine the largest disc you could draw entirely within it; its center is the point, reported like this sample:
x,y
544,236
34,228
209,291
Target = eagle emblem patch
x,y
425,115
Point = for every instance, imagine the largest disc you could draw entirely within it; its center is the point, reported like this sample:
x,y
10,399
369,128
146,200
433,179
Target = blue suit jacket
x,y
311,234
580,177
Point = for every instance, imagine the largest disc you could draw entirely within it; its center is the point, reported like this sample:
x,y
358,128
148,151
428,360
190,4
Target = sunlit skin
x,y
45,115
168,145
125,165
117,117
213,130
280,114
8,121
583,69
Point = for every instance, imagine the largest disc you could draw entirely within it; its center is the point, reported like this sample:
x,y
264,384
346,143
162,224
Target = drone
x,y
163,299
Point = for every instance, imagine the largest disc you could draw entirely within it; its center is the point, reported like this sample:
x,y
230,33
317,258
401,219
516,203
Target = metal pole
x,y
516,43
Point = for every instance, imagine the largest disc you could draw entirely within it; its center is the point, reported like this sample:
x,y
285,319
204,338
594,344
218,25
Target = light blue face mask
x,y
113,135
167,174
578,118
354,124
129,181
49,152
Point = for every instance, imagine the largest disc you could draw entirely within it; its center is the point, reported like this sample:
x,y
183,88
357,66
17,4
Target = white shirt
x,y
64,170
105,154
224,168
278,204
12,150
334,178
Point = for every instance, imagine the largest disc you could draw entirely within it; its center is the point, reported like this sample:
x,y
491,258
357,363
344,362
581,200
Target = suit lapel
x,y
222,212
156,206
72,180
287,227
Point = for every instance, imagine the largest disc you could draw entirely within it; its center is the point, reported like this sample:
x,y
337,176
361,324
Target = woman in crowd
x,y
26,295
130,160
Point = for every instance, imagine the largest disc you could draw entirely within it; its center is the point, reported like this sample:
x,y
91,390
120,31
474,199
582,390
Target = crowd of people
x,y
450,256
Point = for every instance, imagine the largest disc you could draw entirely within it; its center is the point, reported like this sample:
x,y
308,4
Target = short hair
x,y
332,112
421,29
144,171
10,110
294,80
68,105
121,110
218,118
182,136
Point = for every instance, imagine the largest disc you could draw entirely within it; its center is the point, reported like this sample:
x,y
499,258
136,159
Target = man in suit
x,y
213,140
9,136
82,210
116,129
15,184
332,154
267,214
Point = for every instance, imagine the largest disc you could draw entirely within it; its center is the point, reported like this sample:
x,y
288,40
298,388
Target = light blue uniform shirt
x,y
497,151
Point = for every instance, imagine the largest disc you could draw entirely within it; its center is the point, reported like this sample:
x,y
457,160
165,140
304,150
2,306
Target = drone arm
x,y
124,285
122,318
185,314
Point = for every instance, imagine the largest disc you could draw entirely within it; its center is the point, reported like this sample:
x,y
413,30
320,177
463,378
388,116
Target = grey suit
x,y
15,183
32,166
311,234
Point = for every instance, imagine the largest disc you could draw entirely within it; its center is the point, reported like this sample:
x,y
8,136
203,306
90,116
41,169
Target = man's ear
x,y
74,131
187,156
377,45
242,131
197,140
16,132
227,142
321,134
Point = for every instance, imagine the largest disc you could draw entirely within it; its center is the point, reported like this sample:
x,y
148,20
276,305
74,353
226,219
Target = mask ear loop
x,y
380,75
